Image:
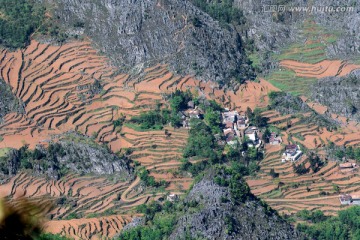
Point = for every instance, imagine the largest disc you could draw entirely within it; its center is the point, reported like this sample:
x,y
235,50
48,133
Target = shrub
x,y
273,174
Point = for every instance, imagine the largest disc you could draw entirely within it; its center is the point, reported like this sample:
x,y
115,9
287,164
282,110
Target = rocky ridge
x,y
340,94
137,34
66,156
220,218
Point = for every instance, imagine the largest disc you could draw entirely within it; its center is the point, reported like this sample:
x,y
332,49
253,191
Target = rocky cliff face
x,y
136,34
345,23
84,158
341,95
219,218
66,156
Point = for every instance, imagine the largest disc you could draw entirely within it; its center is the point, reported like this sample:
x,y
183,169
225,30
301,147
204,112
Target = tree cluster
x,y
345,226
222,11
150,180
256,119
20,19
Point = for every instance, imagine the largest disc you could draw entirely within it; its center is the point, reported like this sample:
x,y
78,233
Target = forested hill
x,y
22,18
219,206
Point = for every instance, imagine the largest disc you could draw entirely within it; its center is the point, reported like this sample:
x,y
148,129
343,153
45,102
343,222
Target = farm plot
x,y
303,63
80,205
290,192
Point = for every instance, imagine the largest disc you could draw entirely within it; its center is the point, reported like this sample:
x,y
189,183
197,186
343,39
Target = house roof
x,y
228,130
241,121
230,137
228,124
197,112
291,147
191,104
345,197
251,130
346,165
230,114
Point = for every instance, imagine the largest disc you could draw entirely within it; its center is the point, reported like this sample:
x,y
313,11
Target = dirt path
x,y
300,200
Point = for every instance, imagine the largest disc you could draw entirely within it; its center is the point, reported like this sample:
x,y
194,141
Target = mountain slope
x,y
141,33
220,218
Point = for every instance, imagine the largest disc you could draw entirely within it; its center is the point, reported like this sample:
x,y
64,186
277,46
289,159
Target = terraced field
x,y
289,192
59,86
72,88
75,196
89,228
303,63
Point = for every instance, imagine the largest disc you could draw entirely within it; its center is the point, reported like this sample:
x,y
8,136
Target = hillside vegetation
x,y
100,128
20,19
8,101
344,226
218,209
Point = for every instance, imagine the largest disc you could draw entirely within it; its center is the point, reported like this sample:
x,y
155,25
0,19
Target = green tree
x,y
212,118
266,135
273,174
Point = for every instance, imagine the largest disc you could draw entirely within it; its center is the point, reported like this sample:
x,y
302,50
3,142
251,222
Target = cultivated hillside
x,y
72,132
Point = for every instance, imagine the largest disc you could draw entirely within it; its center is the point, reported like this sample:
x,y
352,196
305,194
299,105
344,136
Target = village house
x,y
172,197
274,139
242,122
229,116
348,165
292,153
252,133
230,136
191,104
194,113
229,125
189,114
231,133
347,199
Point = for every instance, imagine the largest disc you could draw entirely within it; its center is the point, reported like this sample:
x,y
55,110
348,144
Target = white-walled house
x,y
348,199
292,153
252,133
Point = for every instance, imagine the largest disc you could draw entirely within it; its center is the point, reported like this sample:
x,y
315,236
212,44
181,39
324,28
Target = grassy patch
x,y
255,59
312,49
274,129
4,151
138,128
287,81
